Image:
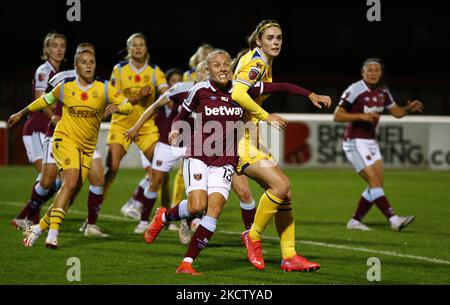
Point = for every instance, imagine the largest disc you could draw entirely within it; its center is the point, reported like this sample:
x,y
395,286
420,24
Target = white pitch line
x,y
307,242
359,249
73,211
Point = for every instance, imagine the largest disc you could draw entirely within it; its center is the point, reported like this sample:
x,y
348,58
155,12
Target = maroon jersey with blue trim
x,y
213,107
359,98
38,121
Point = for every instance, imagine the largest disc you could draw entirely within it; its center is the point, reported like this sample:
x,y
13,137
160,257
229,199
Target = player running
x,y
255,160
54,50
84,101
141,82
49,175
361,105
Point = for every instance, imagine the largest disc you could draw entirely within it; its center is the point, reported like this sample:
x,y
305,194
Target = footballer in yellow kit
x,y
131,81
252,68
76,135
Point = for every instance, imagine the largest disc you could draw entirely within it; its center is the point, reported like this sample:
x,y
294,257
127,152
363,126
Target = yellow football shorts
x,y
146,138
69,155
250,151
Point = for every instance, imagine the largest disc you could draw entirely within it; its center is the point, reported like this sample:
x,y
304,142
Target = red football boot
x,y
186,268
155,226
298,263
254,251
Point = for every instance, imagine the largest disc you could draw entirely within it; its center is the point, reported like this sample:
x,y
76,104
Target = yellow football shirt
x,y
189,76
253,67
130,81
82,110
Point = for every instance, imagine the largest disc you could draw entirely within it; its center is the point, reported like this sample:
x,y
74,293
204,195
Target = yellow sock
x,y
285,224
267,207
164,193
44,223
56,218
178,187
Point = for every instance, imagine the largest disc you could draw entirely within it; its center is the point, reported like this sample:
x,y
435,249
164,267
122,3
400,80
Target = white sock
x,y
394,219
248,206
53,234
183,209
366,195
143,222
40,190
97,190
144,183
37,229
376,193
209,223
188,260
150,195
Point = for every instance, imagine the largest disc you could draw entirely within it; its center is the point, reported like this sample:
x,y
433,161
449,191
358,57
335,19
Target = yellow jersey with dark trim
x,y
253,67
82,110
130,81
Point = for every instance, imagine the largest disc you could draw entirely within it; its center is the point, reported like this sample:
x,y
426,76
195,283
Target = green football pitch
x,y
324,200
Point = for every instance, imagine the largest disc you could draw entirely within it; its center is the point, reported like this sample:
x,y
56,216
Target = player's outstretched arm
x,y
39,104
316,99
132,133
411,106
240,95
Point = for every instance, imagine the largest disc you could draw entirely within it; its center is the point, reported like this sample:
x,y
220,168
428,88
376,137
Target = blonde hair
x,y
46,44
257,33
82,48
201,66
196,58
130,41
214,53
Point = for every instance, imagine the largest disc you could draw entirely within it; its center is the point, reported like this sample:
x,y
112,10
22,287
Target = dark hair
x,y
382,83
257,33
173,71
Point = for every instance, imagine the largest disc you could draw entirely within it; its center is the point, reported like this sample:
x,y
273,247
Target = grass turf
x,y
324,200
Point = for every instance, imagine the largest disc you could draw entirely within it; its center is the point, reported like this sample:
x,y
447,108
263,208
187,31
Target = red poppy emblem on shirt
x,y
84,96
41,77
253,74
137,78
